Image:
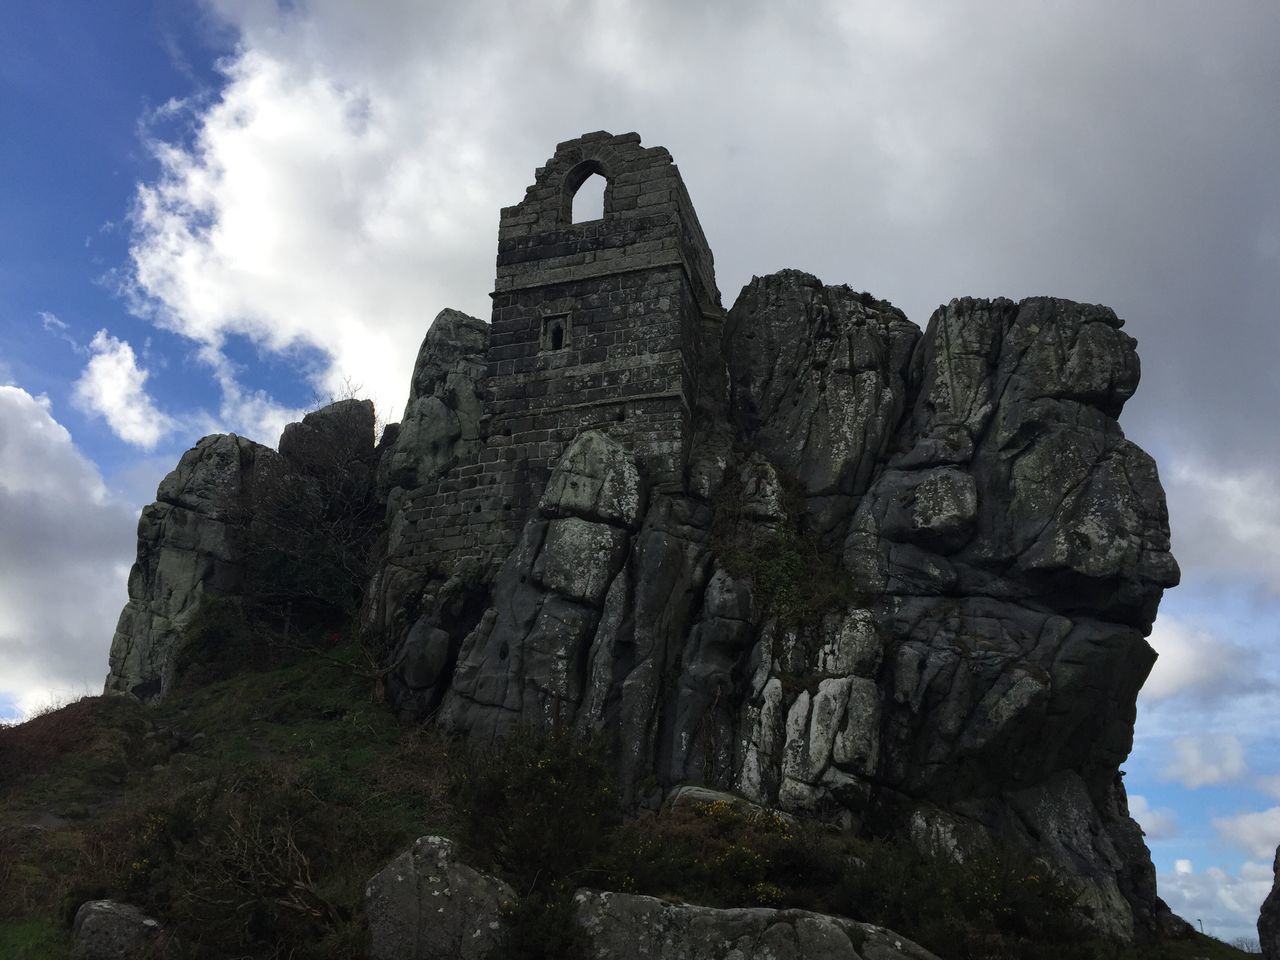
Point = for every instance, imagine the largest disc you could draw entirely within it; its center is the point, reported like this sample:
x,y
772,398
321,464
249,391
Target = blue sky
x,y
216,213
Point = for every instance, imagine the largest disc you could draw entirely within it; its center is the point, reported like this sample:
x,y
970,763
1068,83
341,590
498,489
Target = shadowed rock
x,y
1269,917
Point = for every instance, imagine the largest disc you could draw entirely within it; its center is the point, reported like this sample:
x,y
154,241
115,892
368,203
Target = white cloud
x,y
1158,823
1227,905
1194,662
248,412
344,183
1269,784
113,387
317,208
1257,834
1225,522
66,545
1202,761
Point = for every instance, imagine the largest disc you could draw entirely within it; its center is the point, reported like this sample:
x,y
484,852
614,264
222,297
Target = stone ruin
x,y
800,551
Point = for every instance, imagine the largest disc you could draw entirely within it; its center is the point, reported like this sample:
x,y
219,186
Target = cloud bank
x,y
343,184
1208,760
1225,903
66,545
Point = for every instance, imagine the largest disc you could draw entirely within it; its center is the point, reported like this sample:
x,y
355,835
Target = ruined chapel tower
x,y
595,324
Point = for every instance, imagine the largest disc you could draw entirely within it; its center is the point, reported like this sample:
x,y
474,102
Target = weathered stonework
x,y
625,295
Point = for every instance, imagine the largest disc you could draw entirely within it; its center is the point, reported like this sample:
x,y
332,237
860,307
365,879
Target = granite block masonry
x,y
595,327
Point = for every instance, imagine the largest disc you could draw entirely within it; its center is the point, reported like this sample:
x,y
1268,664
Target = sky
x,y
217,214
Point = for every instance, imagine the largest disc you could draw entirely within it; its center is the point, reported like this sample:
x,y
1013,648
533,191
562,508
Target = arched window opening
x,y
588,202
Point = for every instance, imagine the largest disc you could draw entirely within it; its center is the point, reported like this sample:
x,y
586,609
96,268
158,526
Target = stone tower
x,y
595,326
595,323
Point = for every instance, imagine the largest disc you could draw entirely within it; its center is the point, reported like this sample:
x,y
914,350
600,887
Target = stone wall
x,y
626,294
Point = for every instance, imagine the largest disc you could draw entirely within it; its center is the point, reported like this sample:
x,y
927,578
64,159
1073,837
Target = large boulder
x,y
425,905
109,930
237,519
524,663
623,926
336,438
442,419
192,542
820,379
1006,554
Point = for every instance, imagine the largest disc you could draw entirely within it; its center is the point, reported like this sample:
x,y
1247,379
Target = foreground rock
x,y
425,905
622,926
107,930
1269,917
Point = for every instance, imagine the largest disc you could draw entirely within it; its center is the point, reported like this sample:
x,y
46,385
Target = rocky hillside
x,y
802,552
904,590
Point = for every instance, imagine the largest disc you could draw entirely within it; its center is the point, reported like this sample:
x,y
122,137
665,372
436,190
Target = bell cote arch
x,y
572,183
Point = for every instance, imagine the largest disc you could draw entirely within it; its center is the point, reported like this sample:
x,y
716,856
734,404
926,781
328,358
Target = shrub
x,y
93,727
257,842
218,641
793,579
720,855
539,809
996,904
516,798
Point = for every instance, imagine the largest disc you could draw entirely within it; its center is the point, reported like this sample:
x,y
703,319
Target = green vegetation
x,y
512,802
791,577
248,812
33,938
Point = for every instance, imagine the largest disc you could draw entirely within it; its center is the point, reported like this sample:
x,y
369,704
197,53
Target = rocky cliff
x,y
891,579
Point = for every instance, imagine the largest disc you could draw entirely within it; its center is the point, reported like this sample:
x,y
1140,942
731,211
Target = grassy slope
x,y
99,798
277,791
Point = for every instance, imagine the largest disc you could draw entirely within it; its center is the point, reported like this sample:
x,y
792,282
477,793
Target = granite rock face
x,y
802,551
1001,548
1269,917
441,422
191,543
232,509
819,379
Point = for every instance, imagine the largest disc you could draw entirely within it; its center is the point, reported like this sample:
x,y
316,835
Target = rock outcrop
x,y
892,579
238,520
1269,917
426,905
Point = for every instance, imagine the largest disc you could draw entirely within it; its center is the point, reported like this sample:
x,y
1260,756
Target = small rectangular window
x,y
556,332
